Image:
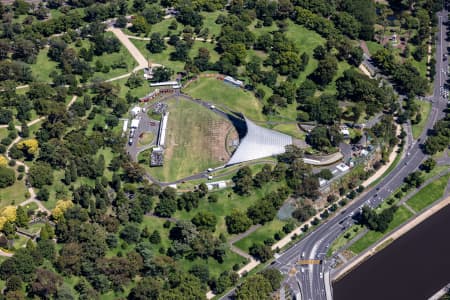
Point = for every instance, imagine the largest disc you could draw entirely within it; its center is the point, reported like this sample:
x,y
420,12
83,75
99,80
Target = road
x,y
315,245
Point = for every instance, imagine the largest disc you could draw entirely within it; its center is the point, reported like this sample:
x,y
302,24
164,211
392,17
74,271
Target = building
x,y
172,84
157,157
162,130
135,123
135,110
259,142
342,167
216,185
235,82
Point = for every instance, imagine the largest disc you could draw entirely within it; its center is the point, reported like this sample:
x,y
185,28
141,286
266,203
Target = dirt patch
x,y
218,131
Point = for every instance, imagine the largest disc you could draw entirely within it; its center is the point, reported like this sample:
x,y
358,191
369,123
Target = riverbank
x,y
409,225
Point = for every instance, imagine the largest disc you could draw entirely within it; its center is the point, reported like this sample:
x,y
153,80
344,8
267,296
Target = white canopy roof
x,y
259,142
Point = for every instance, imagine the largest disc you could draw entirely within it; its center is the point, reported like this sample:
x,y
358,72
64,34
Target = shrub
x,y
7,177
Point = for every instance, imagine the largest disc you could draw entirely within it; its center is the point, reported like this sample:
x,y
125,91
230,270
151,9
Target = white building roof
x,y
164,83
259,142
342,167
134,123
233,81
135,110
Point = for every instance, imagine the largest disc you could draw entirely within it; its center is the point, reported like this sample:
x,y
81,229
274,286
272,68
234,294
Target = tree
x,y
325,71
156,43
7,177
131,233
147,289
21,217
254,287
28,147
6,116
201,272
304,213
205,220
140,25
162,74
261,252
428,165
237,222
46,284
43,194
155,237
243,181
274,276
40,174
60,208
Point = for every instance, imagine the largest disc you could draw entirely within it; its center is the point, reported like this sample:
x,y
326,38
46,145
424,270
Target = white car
x,y
209,170
321,275
210,177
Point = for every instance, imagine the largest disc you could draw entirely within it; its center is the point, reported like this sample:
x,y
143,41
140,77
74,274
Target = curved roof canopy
x,y
259,142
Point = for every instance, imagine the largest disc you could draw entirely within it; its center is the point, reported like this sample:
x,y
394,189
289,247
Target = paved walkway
x,y
137,55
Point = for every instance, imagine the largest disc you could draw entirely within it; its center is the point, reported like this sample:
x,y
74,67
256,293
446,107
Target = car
x,y
209,170
303,254
130,142
303,270
210,177
321,275
212,106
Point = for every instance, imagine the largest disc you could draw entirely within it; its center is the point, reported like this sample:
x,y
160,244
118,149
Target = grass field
x,y
188,141
425,108
164,57
146,138
139,92
14,194
222,94
291,129
108,59
209,21
227,201
373,47
3,133
43,67
400,216
260,235
306,40
342,240
429,194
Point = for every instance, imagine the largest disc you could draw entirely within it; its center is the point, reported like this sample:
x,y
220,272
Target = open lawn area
x,y
227,96
291,129
342,67
43,67
260,235
123,56
345,237
146,138
209,21
306,40
401,215
139,92
14,194
424,109
227,201
429,194
373,46
195,140
3,133
163,58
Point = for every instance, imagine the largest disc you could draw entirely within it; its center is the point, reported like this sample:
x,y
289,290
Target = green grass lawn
x,y
146,138
14,194
108,59
188,141
209,21
373,47
43,67
227,201
306,40
3,133
163,58
400,216
139,92
342,67
291,129
227,96
260,235
215,268
342,240
429,194
425,108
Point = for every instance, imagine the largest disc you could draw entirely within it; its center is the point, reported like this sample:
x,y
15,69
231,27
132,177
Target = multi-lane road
x,y
311,279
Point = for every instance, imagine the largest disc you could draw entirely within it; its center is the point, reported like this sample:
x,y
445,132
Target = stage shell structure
x,y
259,142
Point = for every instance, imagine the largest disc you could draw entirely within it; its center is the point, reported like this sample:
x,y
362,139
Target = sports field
x,y
226,96
195,141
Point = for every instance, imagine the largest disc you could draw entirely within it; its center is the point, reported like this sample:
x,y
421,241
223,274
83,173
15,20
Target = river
x,y
415,266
